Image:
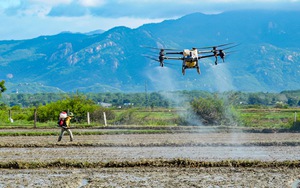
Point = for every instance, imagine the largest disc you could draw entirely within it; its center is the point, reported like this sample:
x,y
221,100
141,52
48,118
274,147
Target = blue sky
x,y
25,19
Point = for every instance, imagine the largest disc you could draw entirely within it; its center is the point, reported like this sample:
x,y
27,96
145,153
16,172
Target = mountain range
x,y
267,58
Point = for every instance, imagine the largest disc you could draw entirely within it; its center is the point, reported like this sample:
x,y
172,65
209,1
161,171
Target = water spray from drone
x,y
163,80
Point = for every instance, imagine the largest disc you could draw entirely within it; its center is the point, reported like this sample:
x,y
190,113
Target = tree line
x,y
196,106
156,99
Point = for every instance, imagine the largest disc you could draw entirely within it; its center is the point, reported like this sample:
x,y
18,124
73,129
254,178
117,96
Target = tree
x,y
254,98
77,104
2,87
292,101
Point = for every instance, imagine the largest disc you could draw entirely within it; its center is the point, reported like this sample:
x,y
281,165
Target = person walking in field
x,y
65,124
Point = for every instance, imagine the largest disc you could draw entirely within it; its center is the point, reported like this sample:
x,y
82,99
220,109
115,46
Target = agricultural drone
x,y
190,57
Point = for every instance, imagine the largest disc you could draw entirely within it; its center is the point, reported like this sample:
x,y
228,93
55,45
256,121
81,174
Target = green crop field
x,y
266,117
269,117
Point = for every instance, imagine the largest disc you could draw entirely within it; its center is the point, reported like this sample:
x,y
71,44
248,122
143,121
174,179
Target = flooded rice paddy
x,y
152,160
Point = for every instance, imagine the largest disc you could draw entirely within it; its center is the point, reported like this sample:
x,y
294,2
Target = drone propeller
x,y
213,52
155,48
207,47
230,47
155,59
160,59
150,57
221,52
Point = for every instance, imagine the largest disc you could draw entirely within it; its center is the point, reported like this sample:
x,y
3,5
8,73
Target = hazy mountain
x,y
99,31
268,58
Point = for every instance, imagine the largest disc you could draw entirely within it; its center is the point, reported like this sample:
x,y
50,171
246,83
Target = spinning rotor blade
x,y
230,47
155,48
207,47
152,58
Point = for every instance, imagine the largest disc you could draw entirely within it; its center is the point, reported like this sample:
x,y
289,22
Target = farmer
x,y
64,123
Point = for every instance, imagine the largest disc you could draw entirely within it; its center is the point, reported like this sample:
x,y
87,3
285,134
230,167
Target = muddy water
x,y
94,154
151,177
49,150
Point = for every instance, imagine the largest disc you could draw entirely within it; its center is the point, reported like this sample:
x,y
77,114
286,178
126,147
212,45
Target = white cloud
x,y
92,3
46,17
33,26
49,3
135,8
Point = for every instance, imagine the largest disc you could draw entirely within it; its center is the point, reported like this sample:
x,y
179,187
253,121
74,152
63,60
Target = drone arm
x,y
202,52
206,56
212,55
174,58
174,53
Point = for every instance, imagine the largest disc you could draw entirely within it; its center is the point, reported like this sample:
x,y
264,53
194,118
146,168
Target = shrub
x,y
127,117
281,105
79,105
98,116
213,111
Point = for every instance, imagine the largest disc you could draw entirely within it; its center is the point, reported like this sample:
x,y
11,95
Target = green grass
x,y
144,116
156,114
248,117
268,117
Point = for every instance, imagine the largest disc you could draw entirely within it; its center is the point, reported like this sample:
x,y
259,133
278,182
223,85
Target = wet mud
x,y
210,147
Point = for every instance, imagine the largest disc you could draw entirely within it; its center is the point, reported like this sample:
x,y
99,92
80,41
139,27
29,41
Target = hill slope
x,y
267,59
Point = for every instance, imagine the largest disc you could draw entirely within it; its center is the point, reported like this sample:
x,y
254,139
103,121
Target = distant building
x,y
105,105
128,104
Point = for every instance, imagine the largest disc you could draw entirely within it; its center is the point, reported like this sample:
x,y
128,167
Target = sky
x,y
26,19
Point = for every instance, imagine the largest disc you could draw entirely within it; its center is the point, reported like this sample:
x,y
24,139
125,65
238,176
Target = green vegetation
x,y
157,99
144,116
253,110
78,104
268,117
2,87
213,110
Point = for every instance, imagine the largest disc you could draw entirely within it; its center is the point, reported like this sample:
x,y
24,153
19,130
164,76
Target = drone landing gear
x,y
183,70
